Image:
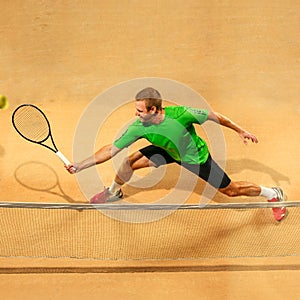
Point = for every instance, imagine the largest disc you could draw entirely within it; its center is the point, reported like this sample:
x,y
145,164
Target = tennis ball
x,y
3,102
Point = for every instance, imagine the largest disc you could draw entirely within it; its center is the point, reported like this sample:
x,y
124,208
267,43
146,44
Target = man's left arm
x,y
224,121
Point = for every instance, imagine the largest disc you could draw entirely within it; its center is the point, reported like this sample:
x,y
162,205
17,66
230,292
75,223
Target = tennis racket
x,y
32,124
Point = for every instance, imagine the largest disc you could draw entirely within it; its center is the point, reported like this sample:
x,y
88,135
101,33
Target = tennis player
x,y
173,139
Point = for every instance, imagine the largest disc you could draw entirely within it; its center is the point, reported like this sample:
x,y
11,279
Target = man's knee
x,y
137,160
132,158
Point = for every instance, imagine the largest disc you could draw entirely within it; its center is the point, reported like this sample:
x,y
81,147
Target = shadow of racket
x,y
40,177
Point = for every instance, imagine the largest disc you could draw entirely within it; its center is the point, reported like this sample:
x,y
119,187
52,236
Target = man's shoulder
x,y
175,111
187,114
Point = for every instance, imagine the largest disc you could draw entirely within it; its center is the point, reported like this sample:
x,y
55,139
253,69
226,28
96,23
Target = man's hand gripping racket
x,y
32,124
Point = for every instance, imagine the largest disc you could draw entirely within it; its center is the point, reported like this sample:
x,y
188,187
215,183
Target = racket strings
x,y
31,123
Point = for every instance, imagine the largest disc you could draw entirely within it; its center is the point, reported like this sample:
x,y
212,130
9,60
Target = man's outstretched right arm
x,y
102,155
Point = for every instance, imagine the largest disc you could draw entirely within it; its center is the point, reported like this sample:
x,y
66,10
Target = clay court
x,y
239,58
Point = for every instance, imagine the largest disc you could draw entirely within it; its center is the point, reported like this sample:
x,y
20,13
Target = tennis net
x,y
185,232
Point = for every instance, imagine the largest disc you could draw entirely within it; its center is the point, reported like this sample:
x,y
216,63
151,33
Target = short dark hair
x,y
151,97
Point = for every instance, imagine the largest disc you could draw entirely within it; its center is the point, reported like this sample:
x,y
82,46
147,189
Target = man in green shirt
x,y
173,139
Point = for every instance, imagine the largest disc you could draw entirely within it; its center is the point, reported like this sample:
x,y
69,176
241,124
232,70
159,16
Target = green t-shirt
x,y
175,134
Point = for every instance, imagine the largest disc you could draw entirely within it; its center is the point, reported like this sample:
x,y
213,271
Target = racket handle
x,y
63,158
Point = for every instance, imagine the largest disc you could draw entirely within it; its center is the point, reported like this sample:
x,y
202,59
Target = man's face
x,y
141,112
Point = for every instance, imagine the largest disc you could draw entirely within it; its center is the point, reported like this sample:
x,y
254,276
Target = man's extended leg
x,y
243,188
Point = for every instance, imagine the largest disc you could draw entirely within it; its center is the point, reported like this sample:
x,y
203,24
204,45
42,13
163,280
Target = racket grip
x,y
63,158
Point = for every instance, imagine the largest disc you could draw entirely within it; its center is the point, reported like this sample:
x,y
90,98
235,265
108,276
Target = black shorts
x,y
209,171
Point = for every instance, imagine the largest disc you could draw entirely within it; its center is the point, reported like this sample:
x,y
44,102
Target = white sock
x,y
114,187
268,193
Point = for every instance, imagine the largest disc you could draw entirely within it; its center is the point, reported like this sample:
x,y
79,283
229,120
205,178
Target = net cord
x,y
246,205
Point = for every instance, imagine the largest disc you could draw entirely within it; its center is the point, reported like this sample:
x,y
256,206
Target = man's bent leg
x,y
131,163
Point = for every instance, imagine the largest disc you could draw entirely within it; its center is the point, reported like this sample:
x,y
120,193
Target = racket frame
x,y
42,142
